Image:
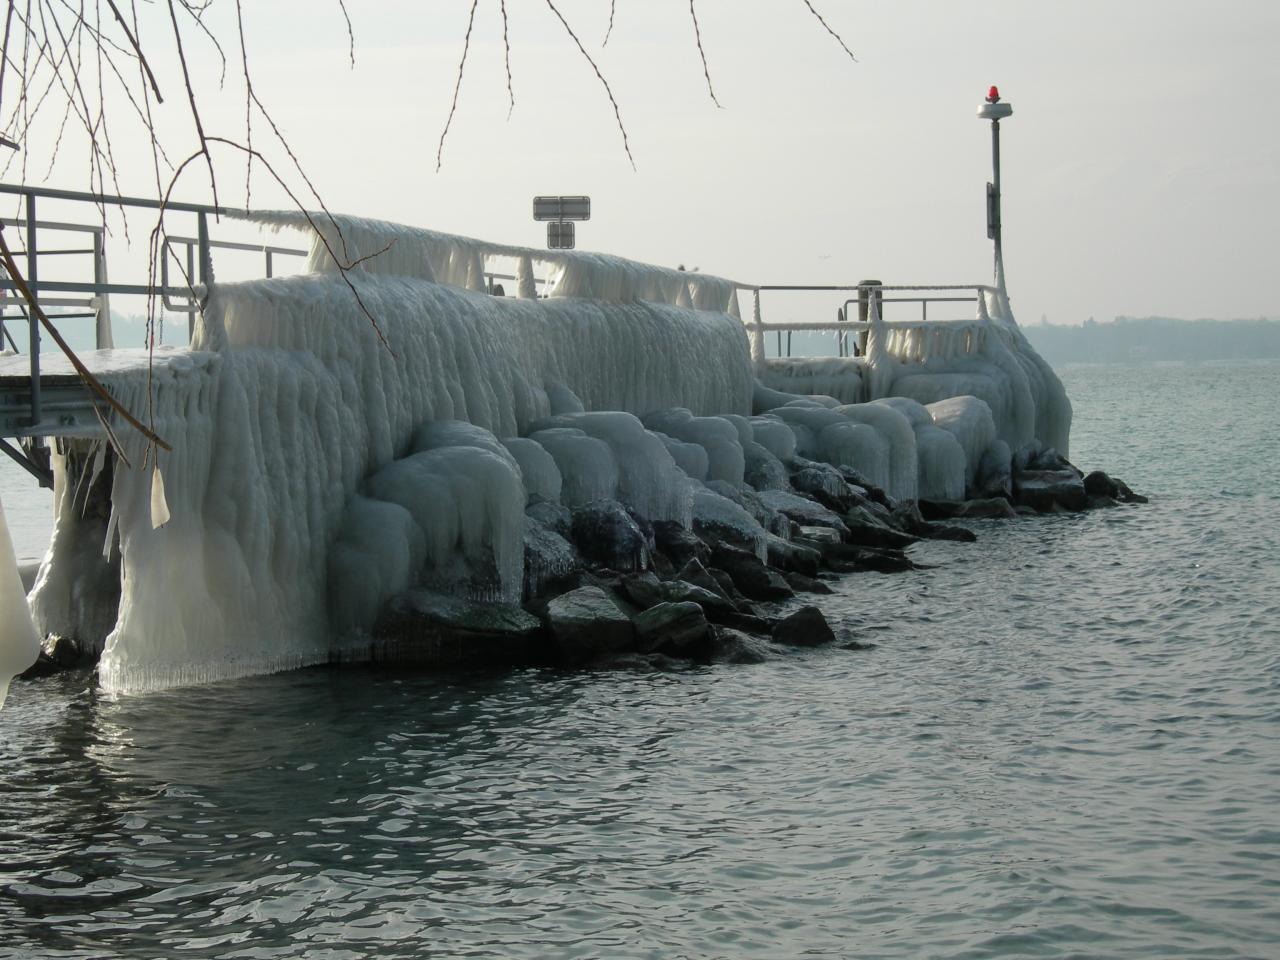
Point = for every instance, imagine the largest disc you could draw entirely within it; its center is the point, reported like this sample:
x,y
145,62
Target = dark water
x,y
1066,743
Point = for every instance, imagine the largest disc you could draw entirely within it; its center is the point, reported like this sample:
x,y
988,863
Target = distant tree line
x,y
1157,338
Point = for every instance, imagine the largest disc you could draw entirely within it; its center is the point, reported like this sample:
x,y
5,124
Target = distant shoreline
x,y
1154,339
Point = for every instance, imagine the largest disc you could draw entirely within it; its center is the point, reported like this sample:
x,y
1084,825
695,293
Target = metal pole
x,y
997,229
34,324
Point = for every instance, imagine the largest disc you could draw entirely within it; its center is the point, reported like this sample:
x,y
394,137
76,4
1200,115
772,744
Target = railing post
x,y
268,264
34,324
757,333
206,267
102,332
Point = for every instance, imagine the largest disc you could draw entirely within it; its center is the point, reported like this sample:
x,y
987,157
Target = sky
x,y
1141,165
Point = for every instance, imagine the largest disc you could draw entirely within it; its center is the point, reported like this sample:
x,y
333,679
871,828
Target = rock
x,y
696,574
679,591
552,516
423,627
807,627
746,622
57,655
587,623
868,530
995,472
727,586
645,590
1026,455
1098,484
548,557
1050,490
605,533
846,558
825,484
856,645
794,557
993,508
803,584
750,575
942,531
820,534
938,509
671,627
762,470
678,543
732,646
801,510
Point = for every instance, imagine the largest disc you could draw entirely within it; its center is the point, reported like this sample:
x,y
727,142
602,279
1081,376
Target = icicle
x,y
19,642
526,288
159,506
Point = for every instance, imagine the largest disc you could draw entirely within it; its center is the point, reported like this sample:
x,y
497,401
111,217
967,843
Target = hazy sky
x,y
1141,166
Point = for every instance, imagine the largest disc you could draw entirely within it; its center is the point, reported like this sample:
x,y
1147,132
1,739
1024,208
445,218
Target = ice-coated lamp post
x,y
994,111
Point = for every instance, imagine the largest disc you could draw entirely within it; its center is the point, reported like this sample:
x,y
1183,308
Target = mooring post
x,y
34,320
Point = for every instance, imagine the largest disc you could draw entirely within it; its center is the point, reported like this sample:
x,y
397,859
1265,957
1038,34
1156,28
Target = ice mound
x,y
542,481
717,436
587,468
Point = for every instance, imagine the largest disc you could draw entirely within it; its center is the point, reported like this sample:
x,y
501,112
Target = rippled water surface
x,y
1065,743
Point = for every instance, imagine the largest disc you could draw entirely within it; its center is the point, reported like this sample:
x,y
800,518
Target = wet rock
x,y
1098,484
678,543
942,531
733,646
868,530
803,584
846,558
423,627
606,534
794,557
587,623
993,508
802,511
679,591
1048,491
807,627
750,575
746,622
645,590
552,516
938,509
762,470
57,655
548,558
826,484
695,573
995,472
674,628
820,534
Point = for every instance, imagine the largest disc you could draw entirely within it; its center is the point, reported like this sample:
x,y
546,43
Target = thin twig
x,y
697,33
191,99
151,77
89,379
827,27
612,7
351,35
466,46
626,145
506,49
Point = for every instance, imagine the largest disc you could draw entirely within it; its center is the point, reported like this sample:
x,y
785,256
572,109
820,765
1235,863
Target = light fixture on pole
x,y
995,111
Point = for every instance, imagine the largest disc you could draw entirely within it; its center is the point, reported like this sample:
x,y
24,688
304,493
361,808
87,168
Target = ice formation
x,y
19,642
320,465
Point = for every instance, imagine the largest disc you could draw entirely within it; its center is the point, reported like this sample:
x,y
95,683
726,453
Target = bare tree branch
x,y
613,4
506,49
697,33
151,77
466,46
827,27
626,145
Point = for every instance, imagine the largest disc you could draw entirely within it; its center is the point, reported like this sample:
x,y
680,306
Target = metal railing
x,y
870,300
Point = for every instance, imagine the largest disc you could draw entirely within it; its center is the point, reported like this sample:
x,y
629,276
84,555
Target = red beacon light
x,y
993,95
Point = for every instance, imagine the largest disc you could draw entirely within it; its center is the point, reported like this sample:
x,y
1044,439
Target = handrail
x,y
107,199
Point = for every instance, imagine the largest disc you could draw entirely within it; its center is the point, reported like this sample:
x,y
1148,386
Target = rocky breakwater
x,y
626,593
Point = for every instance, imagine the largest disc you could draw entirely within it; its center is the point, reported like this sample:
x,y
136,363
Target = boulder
x,y
868,530
807,627
680,591
552,516
733,646
995,472
606,534
678,543
792,556
820,534
1048,491
423,627
695,573
645,590
674,628
588,623
750,575
993,508
548,557
1098,484
803,584
847,558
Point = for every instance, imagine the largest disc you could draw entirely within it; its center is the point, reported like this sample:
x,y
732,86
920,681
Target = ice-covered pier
x,y
341,436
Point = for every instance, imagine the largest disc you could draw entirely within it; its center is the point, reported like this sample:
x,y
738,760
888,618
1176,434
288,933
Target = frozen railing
x,y
907,340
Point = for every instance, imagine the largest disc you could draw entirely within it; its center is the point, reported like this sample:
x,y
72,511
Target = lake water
x,y
1065,743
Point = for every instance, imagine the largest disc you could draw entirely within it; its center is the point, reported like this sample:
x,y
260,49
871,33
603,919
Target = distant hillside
x,y
1157,338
